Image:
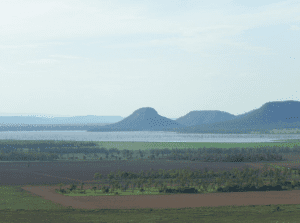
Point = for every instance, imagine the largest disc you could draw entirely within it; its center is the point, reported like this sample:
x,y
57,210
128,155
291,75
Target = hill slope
x,y
272,115
204,117
143,119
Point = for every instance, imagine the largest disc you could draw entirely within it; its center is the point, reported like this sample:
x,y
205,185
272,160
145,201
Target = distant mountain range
x,y
29,120
272,115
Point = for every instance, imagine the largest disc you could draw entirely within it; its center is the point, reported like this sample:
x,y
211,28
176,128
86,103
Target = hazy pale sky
x,y
113,57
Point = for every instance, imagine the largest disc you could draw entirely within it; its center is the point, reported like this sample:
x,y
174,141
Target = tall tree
x,y
134,182
110,176
97,177
126,185
124,153
157,152
171,181
118,151
150,182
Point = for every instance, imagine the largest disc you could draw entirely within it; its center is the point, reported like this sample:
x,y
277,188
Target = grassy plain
x,y
17,205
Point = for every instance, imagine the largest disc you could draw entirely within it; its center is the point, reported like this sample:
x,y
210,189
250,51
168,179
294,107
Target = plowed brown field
x,y
167,201
18,173
293,162
53,173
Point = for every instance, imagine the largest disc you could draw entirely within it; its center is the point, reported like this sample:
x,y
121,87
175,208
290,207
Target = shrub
x,y
63,191
105,189
73,187
179,190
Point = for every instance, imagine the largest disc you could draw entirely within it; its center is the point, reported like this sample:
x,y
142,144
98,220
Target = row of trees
x,y
238,158
265,153
46,145
187,178
236,154
27,156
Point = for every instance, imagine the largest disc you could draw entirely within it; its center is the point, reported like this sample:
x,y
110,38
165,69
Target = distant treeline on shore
x,y
52,150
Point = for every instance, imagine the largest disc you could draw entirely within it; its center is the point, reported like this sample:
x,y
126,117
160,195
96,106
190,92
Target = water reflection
x,y
144,136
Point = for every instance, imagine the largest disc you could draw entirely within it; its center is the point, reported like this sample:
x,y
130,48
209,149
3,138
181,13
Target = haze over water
x,y
143,136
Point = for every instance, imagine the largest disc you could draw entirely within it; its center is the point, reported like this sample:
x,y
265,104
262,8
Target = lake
x,y
143,136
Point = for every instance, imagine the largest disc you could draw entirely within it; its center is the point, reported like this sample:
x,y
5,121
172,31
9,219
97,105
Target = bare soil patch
x,y
167,201
52,173
69,172
18,173
292,162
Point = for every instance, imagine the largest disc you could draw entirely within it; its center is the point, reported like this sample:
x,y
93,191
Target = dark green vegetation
x,y
36,209
43,150
27,150
46,145
187,181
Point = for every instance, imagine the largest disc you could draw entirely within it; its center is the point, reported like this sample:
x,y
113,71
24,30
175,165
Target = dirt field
x,y
18,173
292,163
168,201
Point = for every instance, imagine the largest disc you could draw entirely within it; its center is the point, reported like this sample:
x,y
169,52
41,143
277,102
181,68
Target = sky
x,y
110,58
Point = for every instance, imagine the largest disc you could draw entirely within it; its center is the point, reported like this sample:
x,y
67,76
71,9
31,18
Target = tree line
x,y
27,156
164,180
211,154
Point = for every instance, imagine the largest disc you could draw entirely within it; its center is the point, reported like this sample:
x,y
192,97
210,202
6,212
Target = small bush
x,y
105,189
63,191
179,190
73,187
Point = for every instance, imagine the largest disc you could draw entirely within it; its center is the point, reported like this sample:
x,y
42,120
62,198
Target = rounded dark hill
x,y
147,111
204,117
143,119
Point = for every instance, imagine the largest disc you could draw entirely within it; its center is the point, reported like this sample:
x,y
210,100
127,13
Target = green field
x,y
17,205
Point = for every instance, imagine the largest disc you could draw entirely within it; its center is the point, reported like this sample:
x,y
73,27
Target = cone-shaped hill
x,y
272,115
204,117
143,119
